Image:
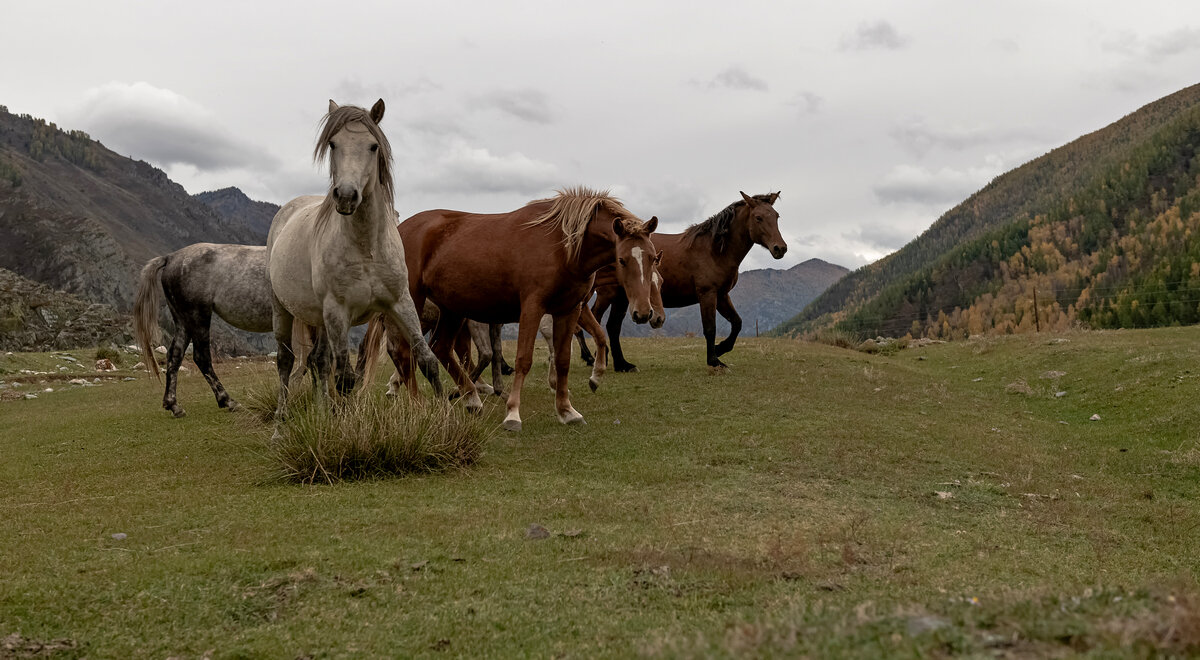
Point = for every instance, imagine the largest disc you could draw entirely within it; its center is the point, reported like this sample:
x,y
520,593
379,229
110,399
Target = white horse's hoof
x,y
484,388
594,383
473,404
512,425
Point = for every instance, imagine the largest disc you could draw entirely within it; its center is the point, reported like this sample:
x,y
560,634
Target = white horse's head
x,y
359,155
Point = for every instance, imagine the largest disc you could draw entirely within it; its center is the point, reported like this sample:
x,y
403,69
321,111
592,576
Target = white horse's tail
x,y
145,312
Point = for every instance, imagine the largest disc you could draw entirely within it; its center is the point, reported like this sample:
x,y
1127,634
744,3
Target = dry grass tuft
x,y
833,337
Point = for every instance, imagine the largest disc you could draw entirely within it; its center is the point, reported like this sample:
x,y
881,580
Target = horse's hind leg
x,y
497,358
282,322
620,305
526,337
585,353
403,317
202,356
725,308
174,358
480,334
444,337
587,321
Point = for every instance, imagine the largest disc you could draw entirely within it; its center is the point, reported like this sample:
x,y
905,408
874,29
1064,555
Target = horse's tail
x,y
372,347
145,312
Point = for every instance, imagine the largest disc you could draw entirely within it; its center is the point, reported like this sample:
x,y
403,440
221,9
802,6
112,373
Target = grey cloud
x,y
676,204
1153,49
458,167
808,103
164,128
917,185
919,138
736,77
887,238
353,90
874,35
529,105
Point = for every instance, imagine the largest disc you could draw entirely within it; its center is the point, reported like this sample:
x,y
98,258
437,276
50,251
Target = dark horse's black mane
x,y
721,222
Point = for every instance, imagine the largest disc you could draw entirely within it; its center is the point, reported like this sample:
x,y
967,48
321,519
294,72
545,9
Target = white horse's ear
x,y
332,106
652,225
377,111
618,227
746,198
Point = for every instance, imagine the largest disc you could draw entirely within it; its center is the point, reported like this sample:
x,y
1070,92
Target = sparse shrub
x,y
108,353
833,337
367,436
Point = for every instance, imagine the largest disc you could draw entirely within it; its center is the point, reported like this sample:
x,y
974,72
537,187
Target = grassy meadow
x,y
812,501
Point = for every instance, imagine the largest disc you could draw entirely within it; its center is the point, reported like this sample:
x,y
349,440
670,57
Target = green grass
x,y
787,506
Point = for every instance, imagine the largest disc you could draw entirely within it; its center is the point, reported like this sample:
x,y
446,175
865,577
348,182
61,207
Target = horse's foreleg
x,y
174,358
620,305
481,338
404,315
527,332
444,338
337,331
401,354
546,330
708,318
587,321
564,331
725,307
496,351
282,322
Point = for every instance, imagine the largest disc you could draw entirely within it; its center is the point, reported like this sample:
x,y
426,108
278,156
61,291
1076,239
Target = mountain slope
x,y
883,297
81,218
233,205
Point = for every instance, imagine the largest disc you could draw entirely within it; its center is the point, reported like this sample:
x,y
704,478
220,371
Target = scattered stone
x,y
161,350
572,533
68,358
943,494
119,536
48,389
273,354
1094,418
77,381
1050,375
922,357
105,364
536,532
9,353
183,368
30,395
617,422
133,349
16,646
977,380
919,625
1018,386
129,378
62,368
868,345
416,566
1060,394
95,380
139,365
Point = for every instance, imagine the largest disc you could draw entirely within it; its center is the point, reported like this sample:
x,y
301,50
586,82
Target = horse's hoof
x,y
474,405
594,383
232,406
483,388
512,425
626,368
571,417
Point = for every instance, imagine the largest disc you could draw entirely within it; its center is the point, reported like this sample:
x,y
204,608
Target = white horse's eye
x,y
331,146
374,147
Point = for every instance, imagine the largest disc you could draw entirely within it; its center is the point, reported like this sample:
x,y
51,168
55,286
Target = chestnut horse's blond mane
x,y
573,208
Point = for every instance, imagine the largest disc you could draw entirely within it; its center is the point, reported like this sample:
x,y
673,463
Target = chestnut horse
x,y
700,265
517,267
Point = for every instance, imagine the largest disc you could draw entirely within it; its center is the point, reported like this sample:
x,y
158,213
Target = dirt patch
x,y
15,646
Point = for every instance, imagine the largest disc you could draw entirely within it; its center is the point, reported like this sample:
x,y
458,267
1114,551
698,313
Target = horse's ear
x,y
747,198
618,227
774,196
652,225
332,106
377,111
658,258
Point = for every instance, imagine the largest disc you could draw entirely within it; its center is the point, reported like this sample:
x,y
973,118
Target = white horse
x,y
335,261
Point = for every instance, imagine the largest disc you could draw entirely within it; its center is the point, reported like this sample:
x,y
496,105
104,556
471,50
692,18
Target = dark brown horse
x,y
700,266
517,267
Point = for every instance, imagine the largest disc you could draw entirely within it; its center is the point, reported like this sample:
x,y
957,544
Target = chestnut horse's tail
x,y
145,312
372,347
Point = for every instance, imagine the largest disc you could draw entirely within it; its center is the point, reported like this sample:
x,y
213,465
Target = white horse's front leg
x,y
337,331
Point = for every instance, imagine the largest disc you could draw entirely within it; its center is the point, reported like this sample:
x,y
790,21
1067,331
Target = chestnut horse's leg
x,y
496,346
444,337
588,321
725,307
620,305
708,317
527,332
401,354
546,330
480,336
564,331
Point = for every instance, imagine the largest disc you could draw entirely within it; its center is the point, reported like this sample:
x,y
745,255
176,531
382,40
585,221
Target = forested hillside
x,y
1101,229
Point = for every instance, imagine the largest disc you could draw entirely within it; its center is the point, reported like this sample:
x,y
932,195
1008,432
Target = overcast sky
x,y
873,118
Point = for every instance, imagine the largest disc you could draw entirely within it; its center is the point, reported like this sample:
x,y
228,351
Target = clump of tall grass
x,y
833,337
368,436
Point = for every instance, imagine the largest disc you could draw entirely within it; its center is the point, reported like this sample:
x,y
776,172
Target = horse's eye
x,y
374,147
621,261
331,146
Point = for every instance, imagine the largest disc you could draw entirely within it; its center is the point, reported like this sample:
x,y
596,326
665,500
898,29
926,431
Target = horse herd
x,y
339,260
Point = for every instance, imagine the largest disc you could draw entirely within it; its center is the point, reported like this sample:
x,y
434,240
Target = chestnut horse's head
x,y
637,267
763,223
359,155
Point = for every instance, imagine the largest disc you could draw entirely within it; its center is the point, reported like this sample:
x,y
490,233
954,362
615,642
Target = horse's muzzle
x,y
639,317
346,199
657,320
778,251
